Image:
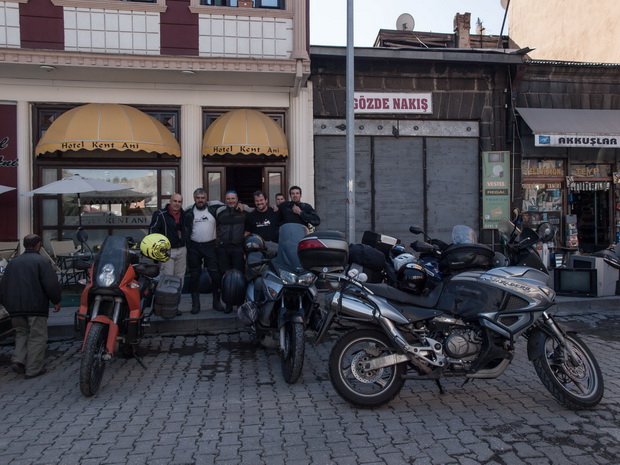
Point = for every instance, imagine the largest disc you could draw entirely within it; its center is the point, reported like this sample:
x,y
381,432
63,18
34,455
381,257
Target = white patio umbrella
x,y
4,189
77,184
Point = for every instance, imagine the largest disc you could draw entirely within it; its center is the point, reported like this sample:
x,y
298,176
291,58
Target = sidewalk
x,y
208,321
61,324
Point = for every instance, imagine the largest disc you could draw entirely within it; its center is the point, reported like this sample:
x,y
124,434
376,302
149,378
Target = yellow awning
x,y
244,132
106,126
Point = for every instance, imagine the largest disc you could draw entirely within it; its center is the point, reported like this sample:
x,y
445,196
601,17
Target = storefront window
x,y
123,212
543,192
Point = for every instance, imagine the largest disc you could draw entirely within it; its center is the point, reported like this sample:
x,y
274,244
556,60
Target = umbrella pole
x,y
80,220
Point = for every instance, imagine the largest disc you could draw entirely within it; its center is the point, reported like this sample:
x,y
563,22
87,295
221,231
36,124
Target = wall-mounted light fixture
x,y
188,72
47,68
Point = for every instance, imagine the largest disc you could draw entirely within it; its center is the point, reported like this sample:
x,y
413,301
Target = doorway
x,y
245,180
592,210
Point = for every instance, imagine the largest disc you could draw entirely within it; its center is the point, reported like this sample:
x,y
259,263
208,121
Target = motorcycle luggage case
x,y
323,249
466,256
167,296
380,242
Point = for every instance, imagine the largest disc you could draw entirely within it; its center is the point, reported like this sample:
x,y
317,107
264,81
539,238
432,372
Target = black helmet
x,y
412,278
233,287
253,243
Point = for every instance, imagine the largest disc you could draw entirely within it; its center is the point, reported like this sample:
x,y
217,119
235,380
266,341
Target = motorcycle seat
x,y
396,295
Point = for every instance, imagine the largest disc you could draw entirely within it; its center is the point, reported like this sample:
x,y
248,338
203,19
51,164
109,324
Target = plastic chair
x,y
8,250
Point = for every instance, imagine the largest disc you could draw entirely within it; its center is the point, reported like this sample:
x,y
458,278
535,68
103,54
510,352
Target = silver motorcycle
x,y
465,327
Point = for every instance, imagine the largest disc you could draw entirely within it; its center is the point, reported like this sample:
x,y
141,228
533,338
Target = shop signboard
x,y
392,102
495,188
8,171
576,140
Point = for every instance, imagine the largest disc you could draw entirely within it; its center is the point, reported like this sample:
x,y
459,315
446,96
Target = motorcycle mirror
x,y
82,236
415,230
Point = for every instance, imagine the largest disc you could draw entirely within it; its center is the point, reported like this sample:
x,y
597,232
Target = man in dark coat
x,y
296,211
27,287
170,221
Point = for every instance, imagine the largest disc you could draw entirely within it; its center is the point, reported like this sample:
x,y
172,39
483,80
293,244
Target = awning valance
x,y
244,132
573,128
105,126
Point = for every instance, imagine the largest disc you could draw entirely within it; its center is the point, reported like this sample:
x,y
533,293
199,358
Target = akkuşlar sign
x,y
574,140
384,102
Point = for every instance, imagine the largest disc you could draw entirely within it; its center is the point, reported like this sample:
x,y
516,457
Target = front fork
x,y
536,344
111,322
287,315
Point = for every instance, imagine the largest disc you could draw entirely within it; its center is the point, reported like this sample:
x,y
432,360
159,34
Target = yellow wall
x,y
567,30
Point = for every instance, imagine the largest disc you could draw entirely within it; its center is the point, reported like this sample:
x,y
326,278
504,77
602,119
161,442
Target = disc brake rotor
x,y
359,368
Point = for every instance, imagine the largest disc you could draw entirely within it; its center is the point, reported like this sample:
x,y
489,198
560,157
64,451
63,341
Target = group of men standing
x,y
211,234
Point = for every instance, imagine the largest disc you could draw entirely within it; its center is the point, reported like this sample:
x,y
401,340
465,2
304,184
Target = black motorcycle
x,y
276,297
467,327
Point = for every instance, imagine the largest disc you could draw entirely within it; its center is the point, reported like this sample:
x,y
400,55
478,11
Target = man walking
x,y
263,220
27,287
170,221
201,248
296,211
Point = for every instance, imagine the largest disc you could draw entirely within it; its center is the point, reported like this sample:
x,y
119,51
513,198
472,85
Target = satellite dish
x,y
504,3
405,22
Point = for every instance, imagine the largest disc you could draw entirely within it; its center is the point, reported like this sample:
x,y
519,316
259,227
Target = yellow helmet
x,y
156,246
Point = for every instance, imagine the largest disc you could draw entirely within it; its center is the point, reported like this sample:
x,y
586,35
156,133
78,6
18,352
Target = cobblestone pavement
x,y
219,399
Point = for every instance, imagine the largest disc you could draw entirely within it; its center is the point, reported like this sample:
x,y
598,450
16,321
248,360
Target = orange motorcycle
x,y
114,305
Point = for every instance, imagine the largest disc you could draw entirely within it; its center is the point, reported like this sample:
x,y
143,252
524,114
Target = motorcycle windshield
x,y
114,251
506,228
462,234
290,235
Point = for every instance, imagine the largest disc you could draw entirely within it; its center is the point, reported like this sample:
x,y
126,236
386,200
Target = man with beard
x,y
264,221
202,248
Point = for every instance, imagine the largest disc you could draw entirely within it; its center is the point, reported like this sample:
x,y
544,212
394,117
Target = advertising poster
x,y
8,172
495,188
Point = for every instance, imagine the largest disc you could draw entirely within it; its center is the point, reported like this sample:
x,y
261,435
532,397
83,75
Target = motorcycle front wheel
x,y
348,371
292,353
93,365
575,384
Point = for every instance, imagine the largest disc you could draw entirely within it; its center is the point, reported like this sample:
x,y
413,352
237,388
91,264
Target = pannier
x,y
379,242
167,296
323,251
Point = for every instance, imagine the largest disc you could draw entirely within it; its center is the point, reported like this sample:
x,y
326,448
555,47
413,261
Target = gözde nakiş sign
x,y
575,140
382,102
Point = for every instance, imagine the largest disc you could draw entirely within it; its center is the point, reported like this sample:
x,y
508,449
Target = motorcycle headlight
x,y
107,277
305,279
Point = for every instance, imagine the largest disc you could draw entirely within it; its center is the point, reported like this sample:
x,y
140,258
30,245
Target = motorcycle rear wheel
x,y
357,385
575,386
292,354
93,365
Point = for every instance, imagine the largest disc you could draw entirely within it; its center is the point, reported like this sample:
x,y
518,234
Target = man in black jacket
x,y
296,211
230,232
170,221
27,287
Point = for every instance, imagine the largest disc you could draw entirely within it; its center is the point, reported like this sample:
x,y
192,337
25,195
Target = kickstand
x,y
136,356
441,390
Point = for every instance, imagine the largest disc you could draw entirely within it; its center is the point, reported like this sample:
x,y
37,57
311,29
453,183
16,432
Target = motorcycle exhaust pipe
x,y
350,305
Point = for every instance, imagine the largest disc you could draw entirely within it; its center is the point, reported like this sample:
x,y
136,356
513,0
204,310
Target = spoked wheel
x,y
292,354
576,383
93,364
351,376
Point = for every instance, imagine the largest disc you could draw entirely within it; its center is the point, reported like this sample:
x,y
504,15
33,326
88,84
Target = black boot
x,y
229,309
195,302
217,305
